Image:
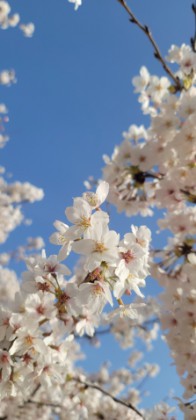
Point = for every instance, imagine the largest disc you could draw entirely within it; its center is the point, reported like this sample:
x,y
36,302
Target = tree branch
x,y
86,385
47,404
103,391
157,53
193,39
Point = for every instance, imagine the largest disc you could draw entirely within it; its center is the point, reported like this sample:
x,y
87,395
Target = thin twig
x,y
109,329
47,404
157,53
31,396
35,390
190,403
149,321
193,40
53,405
143,381
103,391
97,333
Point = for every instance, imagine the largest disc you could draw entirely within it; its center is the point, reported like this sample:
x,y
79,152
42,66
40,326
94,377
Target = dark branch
x,y
157,53
115,399
47,404
193,39
86,385
190,403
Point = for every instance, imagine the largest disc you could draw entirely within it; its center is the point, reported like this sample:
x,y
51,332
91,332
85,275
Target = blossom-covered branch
x,y
43,314
103,391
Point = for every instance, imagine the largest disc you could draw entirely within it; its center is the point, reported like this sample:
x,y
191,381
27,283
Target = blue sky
x,y
72,101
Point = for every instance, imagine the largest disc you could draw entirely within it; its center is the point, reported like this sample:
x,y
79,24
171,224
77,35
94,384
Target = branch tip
x,y
193,6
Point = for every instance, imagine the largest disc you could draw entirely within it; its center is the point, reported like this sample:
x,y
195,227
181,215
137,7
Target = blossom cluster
x,y
77,3
12,195
7,20
38,325
44,314
156,167
38,354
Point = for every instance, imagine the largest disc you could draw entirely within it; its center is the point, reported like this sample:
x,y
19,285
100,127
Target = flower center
x,y
100,247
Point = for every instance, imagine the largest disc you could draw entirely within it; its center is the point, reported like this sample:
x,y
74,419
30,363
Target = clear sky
x,y
72,101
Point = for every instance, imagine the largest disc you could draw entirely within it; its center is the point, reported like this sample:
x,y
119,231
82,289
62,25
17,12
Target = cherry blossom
x,y
44,315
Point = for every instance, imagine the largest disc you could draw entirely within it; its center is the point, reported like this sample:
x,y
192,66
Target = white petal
x,y
84,246
102,191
